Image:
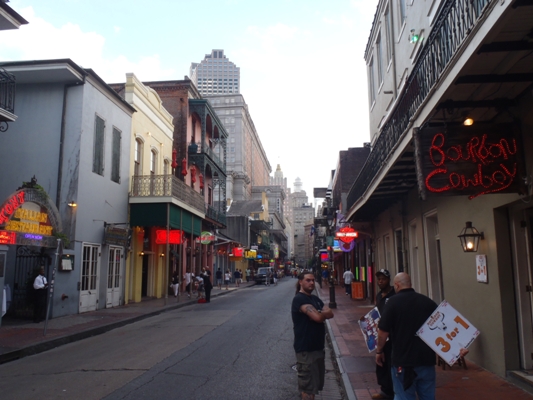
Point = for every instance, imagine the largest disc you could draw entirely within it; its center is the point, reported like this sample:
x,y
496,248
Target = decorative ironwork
x,y
3,126
166,186
7,91
453,25
216,215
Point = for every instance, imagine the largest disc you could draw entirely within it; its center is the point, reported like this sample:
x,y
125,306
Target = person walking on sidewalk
x,y
348,279
219,278
383,372
308,316
208,286
413,361
189,277
237,276
40,285
175,283
227,278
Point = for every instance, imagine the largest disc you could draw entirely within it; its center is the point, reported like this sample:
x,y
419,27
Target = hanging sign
x,y
447,332
473,161
346,234
175,236
481,268
207,237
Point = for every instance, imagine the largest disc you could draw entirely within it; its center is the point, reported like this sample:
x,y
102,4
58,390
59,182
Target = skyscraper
x,y
215,74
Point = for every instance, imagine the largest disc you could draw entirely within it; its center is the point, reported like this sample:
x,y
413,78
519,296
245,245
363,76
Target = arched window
x,y
153,162
137,168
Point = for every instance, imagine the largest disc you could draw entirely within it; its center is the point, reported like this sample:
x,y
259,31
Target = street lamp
x,y
332,303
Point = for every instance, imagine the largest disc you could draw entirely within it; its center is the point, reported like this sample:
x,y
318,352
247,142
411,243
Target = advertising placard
x,y
446,331
369,327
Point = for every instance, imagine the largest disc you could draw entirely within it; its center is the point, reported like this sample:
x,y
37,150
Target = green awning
x,y
155,214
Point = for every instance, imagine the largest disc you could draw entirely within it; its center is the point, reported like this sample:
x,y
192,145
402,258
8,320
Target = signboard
x,y
369,326
116,236
358,291
346,234
7,237
481,268
446,332
207,237
175,236
473,161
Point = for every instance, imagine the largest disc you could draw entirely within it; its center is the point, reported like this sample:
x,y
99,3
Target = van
x,y
261,274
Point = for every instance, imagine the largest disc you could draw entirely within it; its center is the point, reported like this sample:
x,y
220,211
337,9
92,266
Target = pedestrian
x,y
237,276
383,372
189,277
175,283
348,279
199,286
275,277
308,316
219,278
40,285
208,286
325,275
413,361
227,278
268,277
248,273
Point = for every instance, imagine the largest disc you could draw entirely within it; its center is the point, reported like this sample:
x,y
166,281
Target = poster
x,y
369,327
446,332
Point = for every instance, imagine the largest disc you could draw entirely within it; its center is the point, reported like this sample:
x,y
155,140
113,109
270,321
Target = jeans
x,y
423,385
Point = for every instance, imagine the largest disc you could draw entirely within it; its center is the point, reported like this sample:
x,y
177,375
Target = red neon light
x,y
479,152
175,236
10,206
238,251
7,237
346,234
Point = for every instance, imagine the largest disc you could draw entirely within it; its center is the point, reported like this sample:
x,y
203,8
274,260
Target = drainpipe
x,y
62,140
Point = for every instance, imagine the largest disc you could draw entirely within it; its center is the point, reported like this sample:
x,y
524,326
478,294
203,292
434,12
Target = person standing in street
x,y
348,279
237,276
175,283
189,277
248,273
383,372
308,317
219,278
413,361
227,278
40,285
208,286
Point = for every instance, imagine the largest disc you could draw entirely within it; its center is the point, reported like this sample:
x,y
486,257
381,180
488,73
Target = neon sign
x,y
175,236
11,206
7,237
346,234
470,161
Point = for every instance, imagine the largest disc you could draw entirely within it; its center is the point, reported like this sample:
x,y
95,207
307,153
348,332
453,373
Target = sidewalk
x,y
20,338
357,365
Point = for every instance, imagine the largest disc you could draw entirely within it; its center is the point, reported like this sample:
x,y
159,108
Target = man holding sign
x,y
413,362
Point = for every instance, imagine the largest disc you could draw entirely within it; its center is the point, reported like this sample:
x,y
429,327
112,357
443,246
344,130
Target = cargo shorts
x,y
311,367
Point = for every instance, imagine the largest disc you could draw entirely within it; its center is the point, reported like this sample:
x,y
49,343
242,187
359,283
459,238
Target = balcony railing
x,y
216,215
194,148
453,25
7,91
166,186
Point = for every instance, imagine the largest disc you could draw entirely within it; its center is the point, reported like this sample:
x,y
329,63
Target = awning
x,y
155,214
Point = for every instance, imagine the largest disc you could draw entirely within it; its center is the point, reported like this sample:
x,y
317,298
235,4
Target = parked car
x,y
260,275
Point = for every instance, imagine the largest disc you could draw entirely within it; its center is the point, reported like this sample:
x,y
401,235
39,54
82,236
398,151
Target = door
x,y
114,281
90,268
433,256
522,240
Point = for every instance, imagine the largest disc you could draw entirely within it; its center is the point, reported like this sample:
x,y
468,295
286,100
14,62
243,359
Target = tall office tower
x,y
215,74
298,185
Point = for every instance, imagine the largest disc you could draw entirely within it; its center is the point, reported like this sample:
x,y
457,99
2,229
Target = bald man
x,y
413,362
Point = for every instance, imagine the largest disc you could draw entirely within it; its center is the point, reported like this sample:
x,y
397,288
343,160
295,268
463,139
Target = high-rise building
x,y
215,74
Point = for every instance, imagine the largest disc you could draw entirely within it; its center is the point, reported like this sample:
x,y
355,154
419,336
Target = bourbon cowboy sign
x,y
469,161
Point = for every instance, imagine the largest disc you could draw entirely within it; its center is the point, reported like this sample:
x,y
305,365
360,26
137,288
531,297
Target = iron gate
x,y
27,266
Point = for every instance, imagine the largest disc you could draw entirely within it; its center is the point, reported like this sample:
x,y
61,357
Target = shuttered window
x,y
115,158
98,151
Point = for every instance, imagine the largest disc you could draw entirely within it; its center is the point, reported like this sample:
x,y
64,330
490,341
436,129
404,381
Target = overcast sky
x,y
303,74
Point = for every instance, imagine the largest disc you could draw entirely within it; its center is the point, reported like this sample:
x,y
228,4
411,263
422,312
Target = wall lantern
x,y
469,238
141,253
413,37
72,204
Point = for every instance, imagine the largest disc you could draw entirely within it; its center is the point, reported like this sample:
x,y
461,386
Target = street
x,y
236,347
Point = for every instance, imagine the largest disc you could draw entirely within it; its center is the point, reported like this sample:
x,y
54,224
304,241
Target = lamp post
x,y
332,303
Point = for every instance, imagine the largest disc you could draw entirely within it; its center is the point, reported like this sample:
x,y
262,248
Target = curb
x,y
74,337
345,380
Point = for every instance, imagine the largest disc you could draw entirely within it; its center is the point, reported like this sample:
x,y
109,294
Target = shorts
x,y
226,281
219,281
311,367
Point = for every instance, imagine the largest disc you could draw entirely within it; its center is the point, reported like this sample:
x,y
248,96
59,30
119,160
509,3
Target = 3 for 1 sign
x,y
446,331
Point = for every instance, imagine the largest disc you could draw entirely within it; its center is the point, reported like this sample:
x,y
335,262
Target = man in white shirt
x,y
40,285
348,279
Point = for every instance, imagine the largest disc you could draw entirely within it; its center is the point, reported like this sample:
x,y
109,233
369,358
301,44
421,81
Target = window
x,y
379,60
388,35
153,162
433,255
98,149
115,157
137,169
401,14
371,83
166,167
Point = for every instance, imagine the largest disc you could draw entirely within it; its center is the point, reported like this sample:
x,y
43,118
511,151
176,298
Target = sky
x,y
303,73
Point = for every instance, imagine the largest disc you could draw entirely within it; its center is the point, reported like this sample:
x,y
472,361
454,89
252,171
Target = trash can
x,y
358,291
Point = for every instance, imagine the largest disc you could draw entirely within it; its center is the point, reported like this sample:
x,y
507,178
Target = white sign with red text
x,y
446,331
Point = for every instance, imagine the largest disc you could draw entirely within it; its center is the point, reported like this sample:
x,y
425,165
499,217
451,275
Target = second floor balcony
x,y
7,99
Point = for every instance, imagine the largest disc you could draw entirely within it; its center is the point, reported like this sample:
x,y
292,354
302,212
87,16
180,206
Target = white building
x,y
215,74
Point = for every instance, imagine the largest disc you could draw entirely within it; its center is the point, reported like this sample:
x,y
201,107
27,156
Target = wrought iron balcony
x,y
216,215
7,98
166,186
452,26
196,151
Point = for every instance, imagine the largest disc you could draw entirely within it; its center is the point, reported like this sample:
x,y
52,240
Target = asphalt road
x,y
239,346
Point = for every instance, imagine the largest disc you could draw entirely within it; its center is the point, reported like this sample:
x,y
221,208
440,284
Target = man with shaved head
x,y
413,362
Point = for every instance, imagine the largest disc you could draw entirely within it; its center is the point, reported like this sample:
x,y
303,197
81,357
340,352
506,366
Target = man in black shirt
x,y
383,372
308,316
413,362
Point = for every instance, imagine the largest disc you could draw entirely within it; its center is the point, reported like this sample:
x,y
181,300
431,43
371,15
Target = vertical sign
x,y
481,268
